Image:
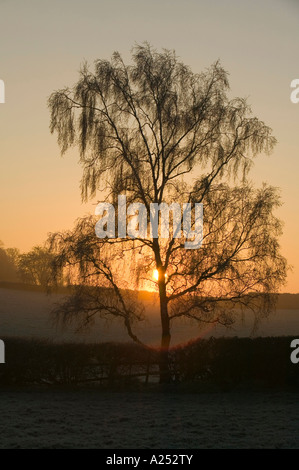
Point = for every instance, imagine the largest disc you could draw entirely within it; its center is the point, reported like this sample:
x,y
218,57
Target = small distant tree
x,y
35,267
8,269
14,255
157,132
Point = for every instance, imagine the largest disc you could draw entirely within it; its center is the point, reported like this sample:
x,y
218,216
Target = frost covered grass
x,y
91,419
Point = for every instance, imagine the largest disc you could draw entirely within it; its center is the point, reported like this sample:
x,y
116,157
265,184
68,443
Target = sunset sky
x,y
43,43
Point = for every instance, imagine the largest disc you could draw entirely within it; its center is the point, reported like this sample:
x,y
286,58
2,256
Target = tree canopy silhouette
x,y
157,132
35,266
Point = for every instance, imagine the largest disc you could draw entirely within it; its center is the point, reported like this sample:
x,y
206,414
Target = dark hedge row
x,y
259,361
221,362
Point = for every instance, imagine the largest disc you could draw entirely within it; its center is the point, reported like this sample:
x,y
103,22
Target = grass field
x,y
88,419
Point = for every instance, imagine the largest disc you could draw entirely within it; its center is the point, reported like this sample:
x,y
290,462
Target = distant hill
x,y
285,300
30,287
288,301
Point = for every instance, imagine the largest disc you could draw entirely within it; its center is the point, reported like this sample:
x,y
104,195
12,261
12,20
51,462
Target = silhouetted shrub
x,y
234,361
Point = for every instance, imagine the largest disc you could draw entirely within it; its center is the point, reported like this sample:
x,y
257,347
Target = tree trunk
x,y
165,375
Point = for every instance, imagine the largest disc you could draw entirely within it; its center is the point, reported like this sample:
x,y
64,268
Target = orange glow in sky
x,y
43,47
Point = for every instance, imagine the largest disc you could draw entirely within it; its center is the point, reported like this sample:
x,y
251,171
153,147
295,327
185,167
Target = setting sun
x,y
156,275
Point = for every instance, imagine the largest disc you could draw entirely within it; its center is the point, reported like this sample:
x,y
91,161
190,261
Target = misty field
x,y
88,419
26,313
